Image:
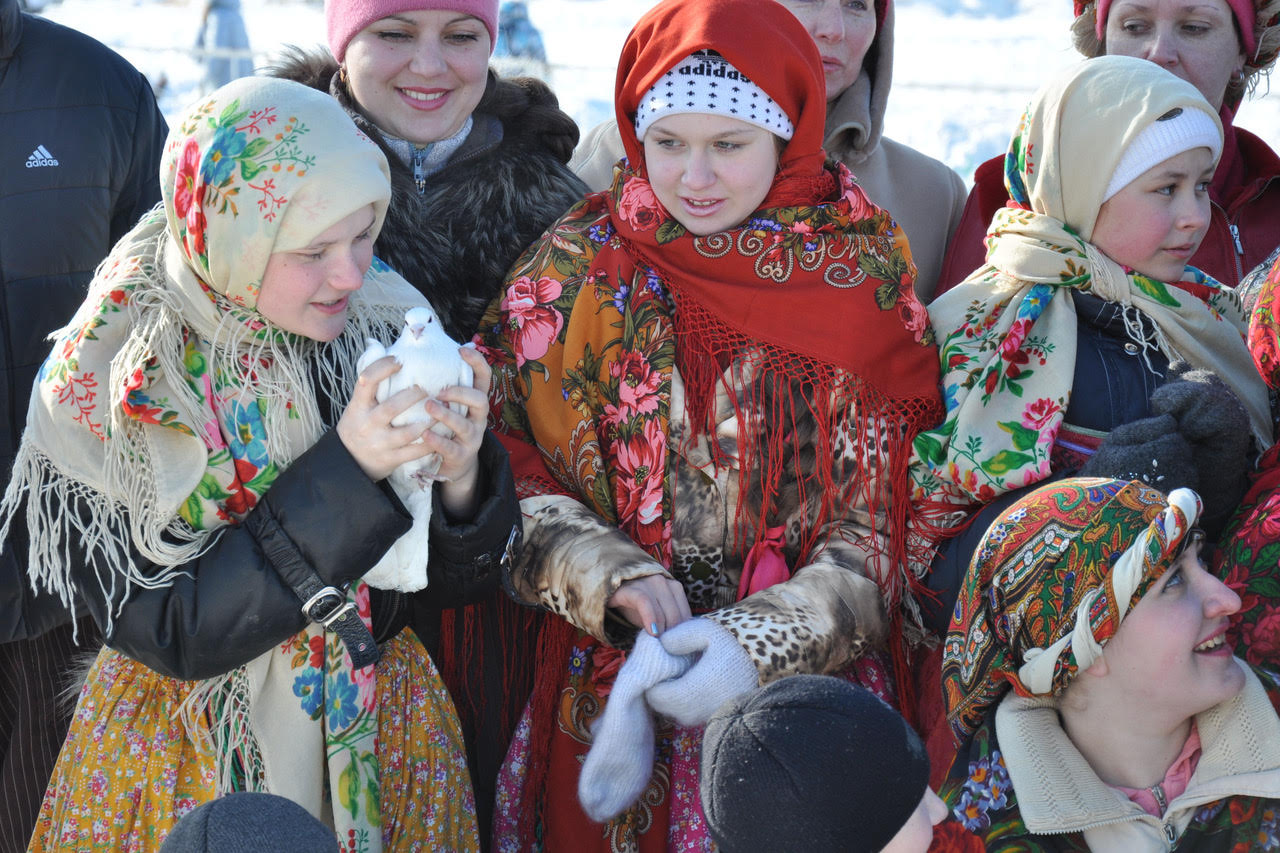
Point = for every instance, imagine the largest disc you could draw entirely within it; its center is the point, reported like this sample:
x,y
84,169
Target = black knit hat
x,y
250,821
810,762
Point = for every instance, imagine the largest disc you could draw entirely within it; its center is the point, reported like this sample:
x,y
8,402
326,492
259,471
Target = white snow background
x,y
963,69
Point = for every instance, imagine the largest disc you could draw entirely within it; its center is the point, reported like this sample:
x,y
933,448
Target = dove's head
x,y
417,322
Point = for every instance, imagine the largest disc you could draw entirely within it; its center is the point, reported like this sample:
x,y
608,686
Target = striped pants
x,y
33,722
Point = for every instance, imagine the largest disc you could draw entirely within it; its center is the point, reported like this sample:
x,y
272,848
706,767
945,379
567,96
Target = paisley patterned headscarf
x,y
169,405
1049,585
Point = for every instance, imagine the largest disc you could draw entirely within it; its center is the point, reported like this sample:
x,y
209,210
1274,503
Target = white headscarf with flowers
x,y
1007,333
169,405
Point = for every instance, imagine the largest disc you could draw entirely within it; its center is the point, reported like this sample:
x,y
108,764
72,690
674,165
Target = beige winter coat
x,y
1058,792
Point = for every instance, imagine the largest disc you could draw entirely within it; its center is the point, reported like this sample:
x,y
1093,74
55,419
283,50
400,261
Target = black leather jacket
x,y
322,515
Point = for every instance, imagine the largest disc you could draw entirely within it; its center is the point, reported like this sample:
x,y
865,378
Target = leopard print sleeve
x,y
831,610
829,613
573,561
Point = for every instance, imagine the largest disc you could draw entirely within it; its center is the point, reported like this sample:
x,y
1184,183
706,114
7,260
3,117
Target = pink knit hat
x,y
1244,11
344,18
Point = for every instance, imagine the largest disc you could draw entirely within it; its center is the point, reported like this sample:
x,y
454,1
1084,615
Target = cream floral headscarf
x,y
1007,334
169,405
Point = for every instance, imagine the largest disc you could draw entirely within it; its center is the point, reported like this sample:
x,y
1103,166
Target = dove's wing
x,y
372,353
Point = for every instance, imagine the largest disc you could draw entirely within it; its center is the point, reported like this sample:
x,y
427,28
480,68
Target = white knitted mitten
x,y
620,761
722,671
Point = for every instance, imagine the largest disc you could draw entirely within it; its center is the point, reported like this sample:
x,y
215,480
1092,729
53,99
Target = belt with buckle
x,y
325,605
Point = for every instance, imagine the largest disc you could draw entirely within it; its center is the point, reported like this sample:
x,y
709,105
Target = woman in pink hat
x,y
1220,47
477,173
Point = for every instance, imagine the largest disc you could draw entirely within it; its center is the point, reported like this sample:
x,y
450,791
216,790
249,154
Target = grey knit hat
x,y
244,822
810,762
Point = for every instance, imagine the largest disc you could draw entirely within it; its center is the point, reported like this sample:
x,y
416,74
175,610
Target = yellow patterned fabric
x,y
129,769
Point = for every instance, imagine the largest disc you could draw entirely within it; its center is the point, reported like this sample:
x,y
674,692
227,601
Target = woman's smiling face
x,y
1170,653
419,75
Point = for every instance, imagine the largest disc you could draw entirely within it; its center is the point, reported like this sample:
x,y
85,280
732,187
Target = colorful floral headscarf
x,y
169,405
1250,546
1049,585
1007,334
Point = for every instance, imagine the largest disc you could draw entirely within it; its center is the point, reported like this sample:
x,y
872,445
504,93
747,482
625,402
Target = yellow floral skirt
x,y
128,770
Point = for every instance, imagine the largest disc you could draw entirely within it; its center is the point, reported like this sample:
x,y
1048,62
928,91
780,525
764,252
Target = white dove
x,y
428,358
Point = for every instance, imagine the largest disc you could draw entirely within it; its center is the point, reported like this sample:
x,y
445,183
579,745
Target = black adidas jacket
x,y
79,164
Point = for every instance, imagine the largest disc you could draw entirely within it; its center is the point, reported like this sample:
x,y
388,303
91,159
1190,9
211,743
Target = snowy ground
x,y
963,69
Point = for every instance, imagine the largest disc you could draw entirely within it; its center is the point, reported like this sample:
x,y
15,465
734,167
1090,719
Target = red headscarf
x,y
765,42
805,314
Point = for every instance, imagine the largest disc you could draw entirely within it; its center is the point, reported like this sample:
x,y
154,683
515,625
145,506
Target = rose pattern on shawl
x,y
641,462
977,358
855,203
1246,560
639,206
914,315
638,384
1264,330
950,836
1261,638
365,678
535,323
188,199
1040,413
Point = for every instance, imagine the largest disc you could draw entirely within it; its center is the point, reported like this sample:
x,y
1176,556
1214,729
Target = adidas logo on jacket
x,y
41,157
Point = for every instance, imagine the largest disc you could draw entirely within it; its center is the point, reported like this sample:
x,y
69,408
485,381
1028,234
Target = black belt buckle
x,y
327,606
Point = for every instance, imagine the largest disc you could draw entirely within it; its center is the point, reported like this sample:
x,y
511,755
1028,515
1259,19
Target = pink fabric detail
x,y
687,831
1175,779
1242,9
764,565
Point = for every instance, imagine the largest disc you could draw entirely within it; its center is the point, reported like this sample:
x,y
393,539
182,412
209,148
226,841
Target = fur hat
x,y
246,821
810,761
344,18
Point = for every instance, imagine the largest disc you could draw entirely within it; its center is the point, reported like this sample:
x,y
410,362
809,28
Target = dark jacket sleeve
x,y
140,187
467,558
234,602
